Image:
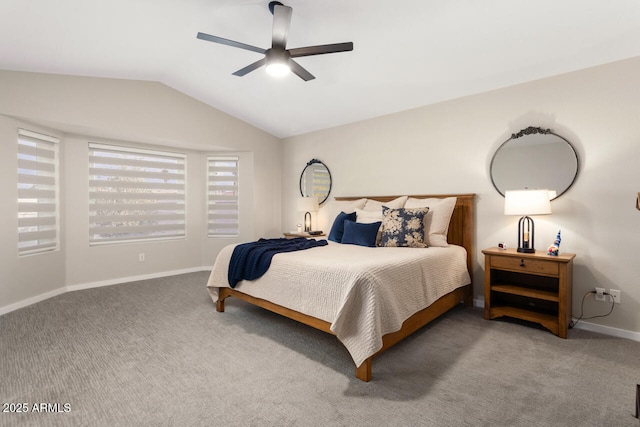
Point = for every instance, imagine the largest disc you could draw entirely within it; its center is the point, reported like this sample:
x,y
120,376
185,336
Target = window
x,y
222,196
135,194
38,188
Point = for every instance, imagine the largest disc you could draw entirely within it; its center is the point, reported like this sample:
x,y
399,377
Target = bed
x,y
369,297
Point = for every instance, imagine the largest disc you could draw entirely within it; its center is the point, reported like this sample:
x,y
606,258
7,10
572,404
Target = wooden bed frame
x,y
461,232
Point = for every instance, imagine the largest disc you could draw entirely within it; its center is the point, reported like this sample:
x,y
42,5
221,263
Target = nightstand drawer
x,y
526,265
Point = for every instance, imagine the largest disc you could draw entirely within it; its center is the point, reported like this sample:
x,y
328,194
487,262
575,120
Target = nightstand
x,y
307,235
533,287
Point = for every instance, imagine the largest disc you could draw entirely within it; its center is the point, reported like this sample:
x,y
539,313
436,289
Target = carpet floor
x,y
156,353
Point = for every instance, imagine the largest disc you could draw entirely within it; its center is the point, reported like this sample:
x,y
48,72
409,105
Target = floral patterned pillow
x,y
403,227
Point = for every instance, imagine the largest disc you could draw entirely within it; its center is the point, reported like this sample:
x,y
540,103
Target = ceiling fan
x,y
279,59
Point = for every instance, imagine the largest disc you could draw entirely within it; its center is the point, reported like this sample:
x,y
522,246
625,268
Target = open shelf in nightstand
x,y
524,284
526,292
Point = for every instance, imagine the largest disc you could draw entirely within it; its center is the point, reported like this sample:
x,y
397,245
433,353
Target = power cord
x,y
579,318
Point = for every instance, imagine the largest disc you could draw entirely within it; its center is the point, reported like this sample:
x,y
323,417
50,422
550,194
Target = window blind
x,y
222,196
135,194
38,188
321,181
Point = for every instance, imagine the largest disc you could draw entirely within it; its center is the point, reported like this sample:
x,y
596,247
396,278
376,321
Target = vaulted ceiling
x,y
407,53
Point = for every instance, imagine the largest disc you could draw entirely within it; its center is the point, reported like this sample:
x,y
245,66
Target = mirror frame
x,y
531,131
310,163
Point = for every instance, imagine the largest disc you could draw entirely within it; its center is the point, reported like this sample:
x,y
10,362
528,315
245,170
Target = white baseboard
x,y
29,301
605,330
133,279
608,330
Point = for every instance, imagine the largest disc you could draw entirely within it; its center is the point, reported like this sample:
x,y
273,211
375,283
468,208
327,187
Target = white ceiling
x,y
406,53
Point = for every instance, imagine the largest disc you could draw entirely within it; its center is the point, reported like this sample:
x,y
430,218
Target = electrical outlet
x,y
600,294
141,257
616,295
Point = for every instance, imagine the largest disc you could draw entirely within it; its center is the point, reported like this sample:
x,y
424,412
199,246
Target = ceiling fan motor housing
x,y
277,55
273,4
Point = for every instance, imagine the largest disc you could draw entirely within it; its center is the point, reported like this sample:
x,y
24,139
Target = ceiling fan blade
x,y
216,39
320,49
249,68
300,71
281,23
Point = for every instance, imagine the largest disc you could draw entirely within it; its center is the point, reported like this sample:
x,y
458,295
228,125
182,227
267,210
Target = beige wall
x,y
442,148
81,109
447,148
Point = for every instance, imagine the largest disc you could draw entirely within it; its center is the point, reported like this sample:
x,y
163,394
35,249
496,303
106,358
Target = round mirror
x,y
315,181
534,158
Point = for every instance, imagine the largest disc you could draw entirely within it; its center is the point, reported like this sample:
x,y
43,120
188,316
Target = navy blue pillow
x,y
337,229
356,233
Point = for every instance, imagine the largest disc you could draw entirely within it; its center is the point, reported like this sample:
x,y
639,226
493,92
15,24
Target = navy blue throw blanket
x,y
251,260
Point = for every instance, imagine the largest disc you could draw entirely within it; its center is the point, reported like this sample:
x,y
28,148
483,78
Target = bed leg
x,y
468,301
220,306
363,372
468,298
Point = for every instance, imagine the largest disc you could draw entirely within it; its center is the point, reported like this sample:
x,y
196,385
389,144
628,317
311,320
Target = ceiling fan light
x,y
278,69
277,62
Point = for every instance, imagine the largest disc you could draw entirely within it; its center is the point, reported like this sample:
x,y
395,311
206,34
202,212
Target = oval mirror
x,y
315,181
534,158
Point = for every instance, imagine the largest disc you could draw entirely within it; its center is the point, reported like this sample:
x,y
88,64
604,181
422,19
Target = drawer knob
x,y
522,263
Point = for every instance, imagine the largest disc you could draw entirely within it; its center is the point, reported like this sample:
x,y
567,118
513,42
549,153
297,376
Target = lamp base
x,y
307,222
527,250
526,235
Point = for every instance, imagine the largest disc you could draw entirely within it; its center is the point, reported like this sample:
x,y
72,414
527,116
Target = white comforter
x,y
364,293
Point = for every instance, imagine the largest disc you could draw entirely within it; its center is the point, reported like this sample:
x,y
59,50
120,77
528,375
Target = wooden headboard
x,y
462,225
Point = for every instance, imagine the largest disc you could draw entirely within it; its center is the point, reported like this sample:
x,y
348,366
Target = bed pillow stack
x,y
404,221
372,213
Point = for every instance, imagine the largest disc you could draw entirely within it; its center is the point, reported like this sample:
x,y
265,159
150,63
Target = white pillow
x,y
367,217
436,222
376,206
330,210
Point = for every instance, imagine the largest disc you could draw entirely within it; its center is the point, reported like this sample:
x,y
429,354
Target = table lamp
x,y
307,205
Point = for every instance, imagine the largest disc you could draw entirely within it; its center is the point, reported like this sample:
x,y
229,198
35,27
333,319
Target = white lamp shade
x,y
527,202
307,204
